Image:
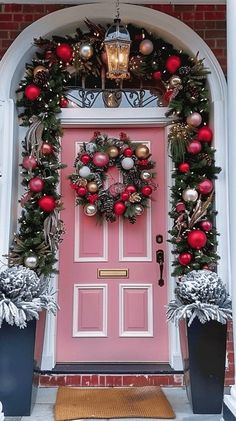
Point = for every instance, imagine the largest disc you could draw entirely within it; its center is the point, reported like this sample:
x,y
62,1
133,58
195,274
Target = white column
x,y
1,413
230,400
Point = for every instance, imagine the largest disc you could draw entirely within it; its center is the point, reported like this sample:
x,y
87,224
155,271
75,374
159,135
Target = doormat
x,y
133,402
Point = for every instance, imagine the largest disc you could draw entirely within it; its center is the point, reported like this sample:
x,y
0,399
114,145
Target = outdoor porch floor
x,y
43,410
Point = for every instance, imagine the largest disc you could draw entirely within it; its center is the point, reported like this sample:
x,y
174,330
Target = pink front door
x,y
111,306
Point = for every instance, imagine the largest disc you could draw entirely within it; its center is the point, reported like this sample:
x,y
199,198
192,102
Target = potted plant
x,y
202,308
23,295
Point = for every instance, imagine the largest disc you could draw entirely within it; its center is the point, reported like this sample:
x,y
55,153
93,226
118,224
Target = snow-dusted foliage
x,y
202,294
23,295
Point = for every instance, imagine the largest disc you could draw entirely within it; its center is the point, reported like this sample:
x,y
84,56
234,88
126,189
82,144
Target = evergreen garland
x,y
41,94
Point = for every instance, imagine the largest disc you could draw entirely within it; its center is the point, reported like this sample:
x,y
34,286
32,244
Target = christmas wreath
x,y
128,197
155,63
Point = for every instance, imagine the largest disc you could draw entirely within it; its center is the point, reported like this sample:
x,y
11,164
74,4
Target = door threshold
x,y
113,368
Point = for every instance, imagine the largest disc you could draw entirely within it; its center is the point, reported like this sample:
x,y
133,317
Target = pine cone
x,y
41,78
206,157
132,219
192,91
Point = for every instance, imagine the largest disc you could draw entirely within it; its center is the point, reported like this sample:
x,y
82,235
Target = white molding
x,y
89,333
1,412
136,334
21,50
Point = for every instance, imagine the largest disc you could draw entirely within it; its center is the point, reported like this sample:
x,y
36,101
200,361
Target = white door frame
x,y
11,71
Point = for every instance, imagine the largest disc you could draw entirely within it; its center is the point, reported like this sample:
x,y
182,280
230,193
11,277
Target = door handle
x,y
160,260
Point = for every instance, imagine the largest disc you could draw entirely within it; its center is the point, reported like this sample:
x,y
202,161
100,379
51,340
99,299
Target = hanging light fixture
x,y
117,43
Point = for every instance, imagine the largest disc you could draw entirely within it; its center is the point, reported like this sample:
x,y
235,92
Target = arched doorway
x,y
65,21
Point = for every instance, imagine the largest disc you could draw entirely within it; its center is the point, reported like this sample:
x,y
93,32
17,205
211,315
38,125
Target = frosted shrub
x,y
23,295
200,294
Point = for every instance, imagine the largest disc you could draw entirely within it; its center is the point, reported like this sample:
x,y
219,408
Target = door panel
x,y
112,308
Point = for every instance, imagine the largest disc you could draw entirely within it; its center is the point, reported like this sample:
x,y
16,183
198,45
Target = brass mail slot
x,y
113,273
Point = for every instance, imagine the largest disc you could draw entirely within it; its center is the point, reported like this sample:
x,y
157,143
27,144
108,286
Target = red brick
x,y
29,8
12,7
159,380
230,357
205,24
165,8
215,33
183,8
205,7
4,17
85,381
73,380
192,16
102,380
214,15
4,34
114,381
135,380
9,25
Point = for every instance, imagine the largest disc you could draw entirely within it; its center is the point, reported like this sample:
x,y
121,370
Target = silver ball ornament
x,y
146,47
194,119
84,171
31,261
146,175
90,209
139,209
175,81
127,163
190,195
85,50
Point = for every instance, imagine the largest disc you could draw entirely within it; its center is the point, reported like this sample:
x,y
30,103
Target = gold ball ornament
x,y
85,50
90,209
139,209
92,187
175,81
146,175
142,152
39,69
113,151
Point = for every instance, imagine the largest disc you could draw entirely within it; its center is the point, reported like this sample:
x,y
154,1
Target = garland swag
x,y
42,93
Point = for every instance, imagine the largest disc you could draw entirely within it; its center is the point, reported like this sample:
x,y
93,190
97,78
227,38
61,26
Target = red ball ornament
x,y
64,52
47,203
196,239
130,189
205,134
205,187
194,147
180,207
92,198
124,195
29,163
36,184
184,167
85,158
142,162
157,75
63,102
32,92
128,152
46,149
146,191
167,95
81,191
119,208
185,258
206,225
173,63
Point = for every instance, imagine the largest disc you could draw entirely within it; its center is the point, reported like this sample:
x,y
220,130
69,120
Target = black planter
x,y
18,382
203,348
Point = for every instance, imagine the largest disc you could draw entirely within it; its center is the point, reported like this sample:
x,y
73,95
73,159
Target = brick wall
x,y
209,21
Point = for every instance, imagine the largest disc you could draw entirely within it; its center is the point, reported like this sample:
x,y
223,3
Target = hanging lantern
x,y
117,43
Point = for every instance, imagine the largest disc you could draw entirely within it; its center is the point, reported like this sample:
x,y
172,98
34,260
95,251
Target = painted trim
x,y
135,333
89,333
12,68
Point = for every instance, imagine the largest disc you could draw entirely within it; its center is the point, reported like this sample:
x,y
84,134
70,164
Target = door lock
x,y
160,261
